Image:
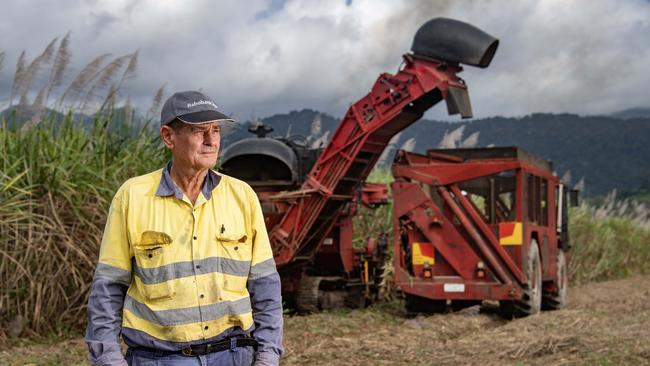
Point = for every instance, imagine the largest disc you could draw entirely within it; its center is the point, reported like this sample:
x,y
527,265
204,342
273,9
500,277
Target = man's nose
x,y
210,139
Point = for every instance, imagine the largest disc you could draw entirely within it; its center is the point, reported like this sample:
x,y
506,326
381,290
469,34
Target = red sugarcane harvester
x,y
309,195
480,224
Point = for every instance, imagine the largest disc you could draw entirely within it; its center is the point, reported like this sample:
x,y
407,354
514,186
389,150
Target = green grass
x,y
371,221
608,243
57,178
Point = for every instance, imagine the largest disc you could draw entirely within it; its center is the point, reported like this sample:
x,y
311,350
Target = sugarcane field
x,y
350,182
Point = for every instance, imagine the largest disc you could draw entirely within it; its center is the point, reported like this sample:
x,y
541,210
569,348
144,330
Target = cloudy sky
x,y
260,57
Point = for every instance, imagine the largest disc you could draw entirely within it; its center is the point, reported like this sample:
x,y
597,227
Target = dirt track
x,y
605,324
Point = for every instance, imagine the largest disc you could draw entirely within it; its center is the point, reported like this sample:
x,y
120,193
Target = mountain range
x,y
604,152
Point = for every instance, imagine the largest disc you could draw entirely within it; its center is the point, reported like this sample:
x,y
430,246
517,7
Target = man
x,y
186,274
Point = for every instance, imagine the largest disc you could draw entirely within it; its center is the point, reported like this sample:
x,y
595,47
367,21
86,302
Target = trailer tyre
x,y
531,300
557,300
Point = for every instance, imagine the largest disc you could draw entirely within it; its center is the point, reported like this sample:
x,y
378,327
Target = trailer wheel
x,y
531,300
420,305
307,298
356,298
557,300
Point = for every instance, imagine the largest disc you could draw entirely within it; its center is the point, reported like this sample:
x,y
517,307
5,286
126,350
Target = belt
x,y
204,349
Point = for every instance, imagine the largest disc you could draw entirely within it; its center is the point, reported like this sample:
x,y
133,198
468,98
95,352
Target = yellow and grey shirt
x,y
173,274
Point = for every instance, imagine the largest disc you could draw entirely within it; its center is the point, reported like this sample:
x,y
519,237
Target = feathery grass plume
x,y
61,61
39,101
580,186
128,112
23,100
408,145
2,59
452,139
157,100
110,96
103,78
315,129
320,141
129,73
471,140
131,68
18,76
38,106
33,69
566,177
85,76
383,158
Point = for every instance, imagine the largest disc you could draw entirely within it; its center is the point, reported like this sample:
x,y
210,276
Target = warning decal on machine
x,y
422,253
510,233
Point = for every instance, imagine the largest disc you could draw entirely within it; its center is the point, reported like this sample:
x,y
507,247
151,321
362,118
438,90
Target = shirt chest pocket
x,y
235,254
153,257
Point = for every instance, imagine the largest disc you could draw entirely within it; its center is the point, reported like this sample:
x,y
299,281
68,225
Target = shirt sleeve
x,y
110,283
265,292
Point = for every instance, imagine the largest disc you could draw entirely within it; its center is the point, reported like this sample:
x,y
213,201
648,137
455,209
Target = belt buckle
x,y
187,351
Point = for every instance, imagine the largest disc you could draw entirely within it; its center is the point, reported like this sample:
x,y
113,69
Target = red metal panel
x,y
412,202
444,173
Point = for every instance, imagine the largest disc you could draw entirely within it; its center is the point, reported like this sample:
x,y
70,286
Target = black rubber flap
x,y
454,41
458,102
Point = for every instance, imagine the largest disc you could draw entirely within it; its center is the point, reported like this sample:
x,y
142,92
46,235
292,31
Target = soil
x,y
605,323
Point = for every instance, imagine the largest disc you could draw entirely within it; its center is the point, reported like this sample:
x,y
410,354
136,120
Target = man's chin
x,y
209,162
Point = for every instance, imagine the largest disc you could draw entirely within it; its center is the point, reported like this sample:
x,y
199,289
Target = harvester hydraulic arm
x,y
395,102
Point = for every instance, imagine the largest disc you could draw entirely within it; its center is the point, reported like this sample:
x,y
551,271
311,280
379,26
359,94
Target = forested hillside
x,y
608,152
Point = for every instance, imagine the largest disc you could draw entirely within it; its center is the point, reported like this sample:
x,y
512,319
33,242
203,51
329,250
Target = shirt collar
x,y
167,187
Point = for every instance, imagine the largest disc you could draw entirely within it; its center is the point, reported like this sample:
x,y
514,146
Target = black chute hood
x,y
454,41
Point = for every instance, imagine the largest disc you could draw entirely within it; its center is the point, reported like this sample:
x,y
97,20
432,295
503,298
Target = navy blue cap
x,y
191,107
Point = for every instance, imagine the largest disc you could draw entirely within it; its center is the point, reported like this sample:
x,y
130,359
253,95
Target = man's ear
x,y
166,134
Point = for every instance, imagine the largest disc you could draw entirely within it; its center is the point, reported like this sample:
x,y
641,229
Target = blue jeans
x,y
237,357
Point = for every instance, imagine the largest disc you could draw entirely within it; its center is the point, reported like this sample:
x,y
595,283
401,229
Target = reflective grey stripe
x,y
262,269
188,315
114,274
171,271
233,267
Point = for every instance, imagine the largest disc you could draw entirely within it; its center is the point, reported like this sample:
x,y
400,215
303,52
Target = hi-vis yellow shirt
x,y
186,266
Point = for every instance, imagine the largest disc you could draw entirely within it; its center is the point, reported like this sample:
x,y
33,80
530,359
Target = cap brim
x,y
204,117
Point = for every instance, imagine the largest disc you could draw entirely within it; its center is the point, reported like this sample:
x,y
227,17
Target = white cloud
x,y
583,56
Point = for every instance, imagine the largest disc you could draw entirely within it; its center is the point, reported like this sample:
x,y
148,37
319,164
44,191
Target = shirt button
x,y
201,296
198,266
195,238
206,327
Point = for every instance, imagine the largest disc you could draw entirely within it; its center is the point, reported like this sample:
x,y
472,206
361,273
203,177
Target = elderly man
x,y
186,274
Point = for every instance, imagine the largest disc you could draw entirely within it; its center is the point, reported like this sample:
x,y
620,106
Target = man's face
x,y
193,145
